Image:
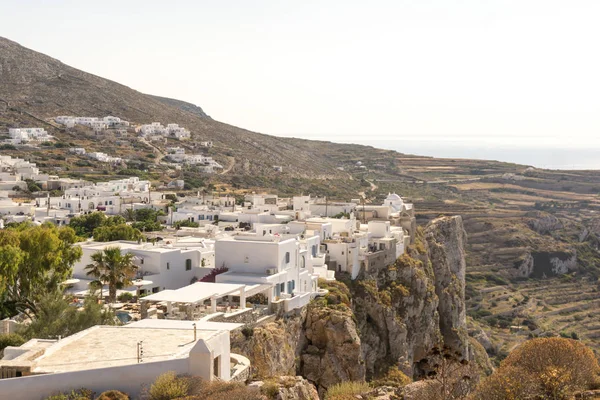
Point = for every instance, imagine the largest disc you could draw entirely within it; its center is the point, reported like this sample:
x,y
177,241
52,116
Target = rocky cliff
x,y
390,316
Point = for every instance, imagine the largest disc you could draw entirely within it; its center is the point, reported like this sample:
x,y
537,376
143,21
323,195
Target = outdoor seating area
x,y
199,300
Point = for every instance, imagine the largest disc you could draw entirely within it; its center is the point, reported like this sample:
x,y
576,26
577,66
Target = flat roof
x,y
111,346
196,292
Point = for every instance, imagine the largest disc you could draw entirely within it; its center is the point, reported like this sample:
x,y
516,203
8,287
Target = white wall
x,y
129,379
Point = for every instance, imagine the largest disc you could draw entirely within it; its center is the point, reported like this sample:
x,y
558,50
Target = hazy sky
x,y
509,72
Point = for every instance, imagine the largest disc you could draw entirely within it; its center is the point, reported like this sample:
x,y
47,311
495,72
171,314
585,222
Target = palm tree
x,y
112,267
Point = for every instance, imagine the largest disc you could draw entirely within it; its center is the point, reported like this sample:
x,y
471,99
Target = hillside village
x,y
237,274
214,264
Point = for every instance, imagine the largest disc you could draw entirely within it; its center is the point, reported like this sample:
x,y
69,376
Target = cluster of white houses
x,y
264,256
97,124
204,163
27,135
156,131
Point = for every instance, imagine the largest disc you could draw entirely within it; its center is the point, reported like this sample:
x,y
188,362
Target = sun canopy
x,y
197,292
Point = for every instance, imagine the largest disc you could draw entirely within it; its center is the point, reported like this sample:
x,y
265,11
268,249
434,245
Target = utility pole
x,y
326,207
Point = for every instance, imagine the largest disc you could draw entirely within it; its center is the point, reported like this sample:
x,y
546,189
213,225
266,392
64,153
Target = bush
x,y
169,386
125,297
12,339
78,394
544,368
393,377
347,390
113,395
185,223
270,389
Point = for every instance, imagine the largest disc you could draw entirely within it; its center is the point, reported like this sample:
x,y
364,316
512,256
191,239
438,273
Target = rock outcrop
x,y
288,388
396,313
333,353
273,348
544,264
446,240
543,222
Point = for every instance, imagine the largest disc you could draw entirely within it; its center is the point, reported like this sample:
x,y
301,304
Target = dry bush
x,y
347,390
113,395
169,386
393,377
553,368
214,390
509,384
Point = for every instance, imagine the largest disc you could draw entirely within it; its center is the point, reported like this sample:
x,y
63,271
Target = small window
x,y
142,261
168,265
287,257
282,287
155,289
188,264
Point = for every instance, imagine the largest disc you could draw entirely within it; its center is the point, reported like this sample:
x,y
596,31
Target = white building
x,y
124,358
275,260
103,157
77,150
167,266
26,135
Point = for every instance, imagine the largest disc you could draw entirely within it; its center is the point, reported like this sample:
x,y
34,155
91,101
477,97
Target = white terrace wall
x,y
130,379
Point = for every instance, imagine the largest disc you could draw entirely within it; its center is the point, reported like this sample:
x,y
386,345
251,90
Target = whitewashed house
x,y
274,260
125,358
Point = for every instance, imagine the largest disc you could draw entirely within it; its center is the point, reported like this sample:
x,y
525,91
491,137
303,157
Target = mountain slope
x,y
44,87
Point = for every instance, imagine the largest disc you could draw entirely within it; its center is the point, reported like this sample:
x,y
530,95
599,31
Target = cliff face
x,y
446,240
396,310
333,353
390,316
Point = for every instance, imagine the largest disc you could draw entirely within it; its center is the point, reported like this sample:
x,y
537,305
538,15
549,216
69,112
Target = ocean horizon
x,y
547,157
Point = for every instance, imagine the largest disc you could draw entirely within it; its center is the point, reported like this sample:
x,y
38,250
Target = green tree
x,y
33,261
185,223
110,233
114,268
56,316
85,225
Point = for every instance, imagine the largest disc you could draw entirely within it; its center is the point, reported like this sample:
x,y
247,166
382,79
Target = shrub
x,y
552,368
169,386
11,339
78,394
270,389
113,395
347,390
125,297
393,377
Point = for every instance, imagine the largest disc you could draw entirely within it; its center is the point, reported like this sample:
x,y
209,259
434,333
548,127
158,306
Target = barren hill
x,y
43,87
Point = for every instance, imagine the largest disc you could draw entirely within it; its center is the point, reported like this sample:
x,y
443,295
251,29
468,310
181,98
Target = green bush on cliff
x,y
338,296
393,377
347,390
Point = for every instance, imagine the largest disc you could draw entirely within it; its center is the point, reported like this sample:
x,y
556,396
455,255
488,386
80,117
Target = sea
x,y
541,156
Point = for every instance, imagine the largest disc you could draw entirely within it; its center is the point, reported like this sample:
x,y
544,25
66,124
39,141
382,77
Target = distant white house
x,y
77,150
26,135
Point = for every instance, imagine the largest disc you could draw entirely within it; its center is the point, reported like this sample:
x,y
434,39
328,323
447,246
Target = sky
x,y
501,73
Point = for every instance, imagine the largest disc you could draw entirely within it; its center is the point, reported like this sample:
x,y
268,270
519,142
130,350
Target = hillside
x,y
533,235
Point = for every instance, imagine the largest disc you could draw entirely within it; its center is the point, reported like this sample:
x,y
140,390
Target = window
x,y
168,265
314,250
287,257
188,264
155,289
142,261
282,287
